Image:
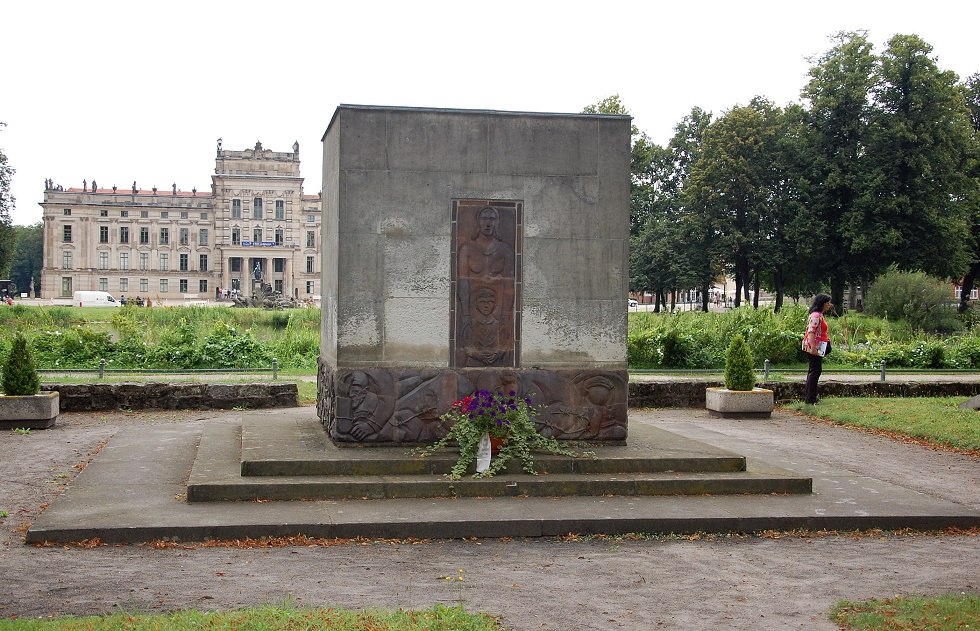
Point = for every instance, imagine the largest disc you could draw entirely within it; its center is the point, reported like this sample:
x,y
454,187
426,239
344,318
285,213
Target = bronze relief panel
x,y
486,283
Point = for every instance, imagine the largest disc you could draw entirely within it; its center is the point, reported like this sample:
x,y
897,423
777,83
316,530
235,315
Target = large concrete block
x,y
575,269
416,330
581,333
564,207
437,141
362,139
543,145
417,267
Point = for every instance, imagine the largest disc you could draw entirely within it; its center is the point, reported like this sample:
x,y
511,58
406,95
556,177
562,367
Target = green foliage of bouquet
x,y
20,376
507,417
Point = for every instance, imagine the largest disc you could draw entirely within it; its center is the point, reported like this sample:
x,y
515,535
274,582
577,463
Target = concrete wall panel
x,y
437,141
417,267
574,333
579,269
564,207
362,139
416,331
541,145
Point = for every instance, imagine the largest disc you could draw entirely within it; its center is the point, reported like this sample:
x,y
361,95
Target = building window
x,y
183,285
124,260
309,265
103,284
257,208
103,213
310,218
183,214
185,236
164,285
277,285
204,216
123,284
236,264
66,285
203,263
103,234
103,261
124,213
66,212
280,209
164,236
279,236
236,209
279,265
144,284
144,236
164,214
202,237
123,234
310,239
144,261
144,214
66,260
236,236
257,234
164,261
202,286
309,286
184,262
66,234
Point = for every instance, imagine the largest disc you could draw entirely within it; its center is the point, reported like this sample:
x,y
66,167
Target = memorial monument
x,y
470,249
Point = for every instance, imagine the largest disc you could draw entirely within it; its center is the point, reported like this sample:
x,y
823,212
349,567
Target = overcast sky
x,y
124,91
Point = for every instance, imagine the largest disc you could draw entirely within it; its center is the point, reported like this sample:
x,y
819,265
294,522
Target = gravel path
x,y
777,582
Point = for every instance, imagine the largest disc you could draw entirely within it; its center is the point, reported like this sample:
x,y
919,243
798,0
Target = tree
x,y
28,257
920,139
6,206
840,114
971,196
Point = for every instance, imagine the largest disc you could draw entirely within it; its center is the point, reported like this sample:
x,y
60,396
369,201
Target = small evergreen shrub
x,y
20,376
739,368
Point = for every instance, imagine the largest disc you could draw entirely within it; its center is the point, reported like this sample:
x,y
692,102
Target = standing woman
x,y
816,343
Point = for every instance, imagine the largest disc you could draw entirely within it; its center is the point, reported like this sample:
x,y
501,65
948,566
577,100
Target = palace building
x,y
173,244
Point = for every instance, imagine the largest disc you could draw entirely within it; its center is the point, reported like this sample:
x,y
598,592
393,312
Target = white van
x,y
93,299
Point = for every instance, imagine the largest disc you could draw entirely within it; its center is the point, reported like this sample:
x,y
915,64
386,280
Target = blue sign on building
x,y
267,244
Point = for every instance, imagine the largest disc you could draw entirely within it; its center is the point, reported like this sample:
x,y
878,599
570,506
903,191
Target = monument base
x,y
403,405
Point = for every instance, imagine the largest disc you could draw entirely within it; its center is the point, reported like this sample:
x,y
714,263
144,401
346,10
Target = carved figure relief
x,y
485,289
363,405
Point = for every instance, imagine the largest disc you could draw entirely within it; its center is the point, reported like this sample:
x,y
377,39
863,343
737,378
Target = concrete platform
x,y
275,458
135,491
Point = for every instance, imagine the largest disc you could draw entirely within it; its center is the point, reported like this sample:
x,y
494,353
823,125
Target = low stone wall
x,y
174,396
690,394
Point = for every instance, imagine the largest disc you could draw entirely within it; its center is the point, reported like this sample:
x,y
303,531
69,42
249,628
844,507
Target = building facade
x,y
171,244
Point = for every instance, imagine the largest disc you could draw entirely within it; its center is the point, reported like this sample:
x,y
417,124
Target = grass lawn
x,y
936,421
437,618
913,613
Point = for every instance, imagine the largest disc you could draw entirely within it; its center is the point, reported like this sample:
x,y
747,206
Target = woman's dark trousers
x,y
812,377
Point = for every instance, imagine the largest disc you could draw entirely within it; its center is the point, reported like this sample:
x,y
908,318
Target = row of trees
x,y
6,206
879,165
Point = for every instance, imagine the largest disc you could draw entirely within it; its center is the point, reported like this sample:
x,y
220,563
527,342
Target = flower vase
x,y
496,444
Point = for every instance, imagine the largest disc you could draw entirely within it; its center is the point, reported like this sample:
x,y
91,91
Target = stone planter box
x,y
725,403
38,411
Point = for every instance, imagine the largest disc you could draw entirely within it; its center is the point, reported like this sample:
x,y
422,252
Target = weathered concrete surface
x,y
134,491
754,403
174,396
39,411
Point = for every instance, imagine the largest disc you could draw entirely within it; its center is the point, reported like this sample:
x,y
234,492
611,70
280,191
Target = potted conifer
x,y
22,405
739,398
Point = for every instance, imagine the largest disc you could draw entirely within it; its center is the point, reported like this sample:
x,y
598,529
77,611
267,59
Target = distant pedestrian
x,y
816,344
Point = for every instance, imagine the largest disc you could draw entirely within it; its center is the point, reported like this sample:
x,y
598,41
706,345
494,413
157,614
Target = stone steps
x,y
267,458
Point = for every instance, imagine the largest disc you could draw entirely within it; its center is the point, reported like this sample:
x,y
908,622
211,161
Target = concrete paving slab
x,y
134,491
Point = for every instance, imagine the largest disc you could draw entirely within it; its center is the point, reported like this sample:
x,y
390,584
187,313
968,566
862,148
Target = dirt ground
x,y
773,582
